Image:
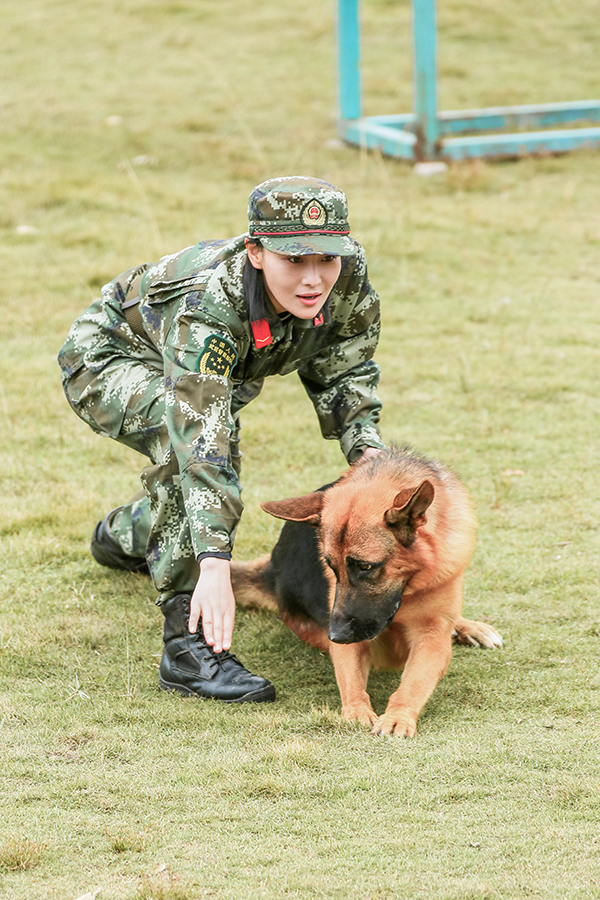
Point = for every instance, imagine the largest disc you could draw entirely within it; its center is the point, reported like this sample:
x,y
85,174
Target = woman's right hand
x,y
213,601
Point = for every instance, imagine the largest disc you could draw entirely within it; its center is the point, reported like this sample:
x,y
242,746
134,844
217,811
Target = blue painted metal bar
x,y
391,141
397,142
517,117
497,117
404,120
505,146
349,59
425,74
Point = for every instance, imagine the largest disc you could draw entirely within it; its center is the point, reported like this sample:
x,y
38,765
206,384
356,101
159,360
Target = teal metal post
x,y
349,59
425,61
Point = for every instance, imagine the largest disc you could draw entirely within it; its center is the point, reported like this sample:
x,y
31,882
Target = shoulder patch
x,y
218,356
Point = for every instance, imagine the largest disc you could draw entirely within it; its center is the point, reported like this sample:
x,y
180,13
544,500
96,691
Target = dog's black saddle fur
x,y
297,571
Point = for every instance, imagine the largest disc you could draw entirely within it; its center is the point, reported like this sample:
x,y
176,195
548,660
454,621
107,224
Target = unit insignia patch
x,y
218,356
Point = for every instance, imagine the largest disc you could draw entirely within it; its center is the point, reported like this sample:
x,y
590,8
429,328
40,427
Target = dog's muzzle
x,y
348,627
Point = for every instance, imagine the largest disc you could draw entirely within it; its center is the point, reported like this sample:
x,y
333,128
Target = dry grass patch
x,y
17,854
162,884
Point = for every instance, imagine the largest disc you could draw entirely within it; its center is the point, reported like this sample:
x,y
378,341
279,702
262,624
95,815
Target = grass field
x,y
133,129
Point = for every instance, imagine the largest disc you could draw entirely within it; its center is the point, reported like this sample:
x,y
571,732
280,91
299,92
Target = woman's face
x,y
296,284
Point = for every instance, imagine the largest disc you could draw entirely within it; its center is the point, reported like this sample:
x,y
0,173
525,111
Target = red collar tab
x,y
318,320
262,333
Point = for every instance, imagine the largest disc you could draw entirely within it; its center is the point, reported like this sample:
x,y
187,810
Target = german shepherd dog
x,y
371,569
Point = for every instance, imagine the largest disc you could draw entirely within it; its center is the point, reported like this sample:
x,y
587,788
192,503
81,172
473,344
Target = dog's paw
x,y
362,714
476,634
400,723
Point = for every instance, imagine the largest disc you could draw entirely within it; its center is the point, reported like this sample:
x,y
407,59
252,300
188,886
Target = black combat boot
x,y
108,552
191,667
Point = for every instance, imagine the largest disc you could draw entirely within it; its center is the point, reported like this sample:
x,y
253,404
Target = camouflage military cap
x,y
300,215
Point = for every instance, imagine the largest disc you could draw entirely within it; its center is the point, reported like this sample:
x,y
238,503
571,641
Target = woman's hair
x,y
255,294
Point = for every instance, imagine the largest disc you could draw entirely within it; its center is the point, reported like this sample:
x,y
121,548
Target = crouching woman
x,y
165,361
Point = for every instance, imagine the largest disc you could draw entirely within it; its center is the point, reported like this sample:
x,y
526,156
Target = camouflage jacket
x,y
193,311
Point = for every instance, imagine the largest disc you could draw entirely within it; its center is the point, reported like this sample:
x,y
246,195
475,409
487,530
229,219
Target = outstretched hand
x,y
213,601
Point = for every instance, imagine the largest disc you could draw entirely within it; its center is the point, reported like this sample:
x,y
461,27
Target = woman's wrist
x,y
214,563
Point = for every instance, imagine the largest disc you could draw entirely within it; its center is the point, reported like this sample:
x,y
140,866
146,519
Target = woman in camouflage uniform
x,y
165,360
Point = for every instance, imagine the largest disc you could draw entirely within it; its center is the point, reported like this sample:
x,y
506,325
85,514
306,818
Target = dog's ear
x,y
297,509
408,512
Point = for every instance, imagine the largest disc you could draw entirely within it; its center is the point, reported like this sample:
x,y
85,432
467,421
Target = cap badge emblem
x,y
313,215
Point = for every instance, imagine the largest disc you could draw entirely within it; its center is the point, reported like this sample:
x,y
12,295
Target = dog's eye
x,y
360,568
360,565
363,570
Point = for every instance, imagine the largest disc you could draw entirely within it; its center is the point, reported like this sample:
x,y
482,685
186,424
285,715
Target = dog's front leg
x,y
476,634
351,666
428,658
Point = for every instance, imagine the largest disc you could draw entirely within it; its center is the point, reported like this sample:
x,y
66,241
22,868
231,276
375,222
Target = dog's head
x,y
369,540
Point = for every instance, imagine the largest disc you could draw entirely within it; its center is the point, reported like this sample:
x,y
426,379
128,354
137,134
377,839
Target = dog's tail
x,y
253,583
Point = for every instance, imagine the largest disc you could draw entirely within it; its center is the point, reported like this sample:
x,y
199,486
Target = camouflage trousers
x,y
122,395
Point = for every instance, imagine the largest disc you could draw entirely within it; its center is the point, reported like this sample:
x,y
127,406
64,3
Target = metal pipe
x,y
425,79
349,59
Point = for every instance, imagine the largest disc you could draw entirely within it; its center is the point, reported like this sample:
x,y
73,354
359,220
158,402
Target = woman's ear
x,y
255,254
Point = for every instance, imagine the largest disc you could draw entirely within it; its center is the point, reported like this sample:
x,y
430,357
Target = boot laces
x,y
215,659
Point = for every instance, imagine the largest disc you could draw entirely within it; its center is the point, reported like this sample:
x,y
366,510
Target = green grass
x,y
489,282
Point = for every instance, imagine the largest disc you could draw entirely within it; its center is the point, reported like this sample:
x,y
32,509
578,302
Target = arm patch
x,y
218,356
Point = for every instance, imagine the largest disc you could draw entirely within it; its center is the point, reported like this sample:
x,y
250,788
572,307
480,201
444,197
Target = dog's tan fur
x,y
415,519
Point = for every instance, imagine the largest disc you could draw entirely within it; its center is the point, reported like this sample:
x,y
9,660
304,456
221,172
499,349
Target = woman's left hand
x,y
214,603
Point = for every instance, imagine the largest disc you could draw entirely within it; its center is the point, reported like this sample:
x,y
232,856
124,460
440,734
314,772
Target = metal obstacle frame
x,y
428,134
